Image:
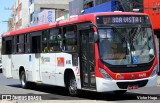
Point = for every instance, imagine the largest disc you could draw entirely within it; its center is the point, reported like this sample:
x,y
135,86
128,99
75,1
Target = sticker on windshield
x,y
135,59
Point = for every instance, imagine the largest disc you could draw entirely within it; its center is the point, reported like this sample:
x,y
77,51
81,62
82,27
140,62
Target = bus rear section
x,y
127,56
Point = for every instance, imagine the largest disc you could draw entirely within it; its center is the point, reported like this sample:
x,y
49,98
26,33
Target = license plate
x,y
130,87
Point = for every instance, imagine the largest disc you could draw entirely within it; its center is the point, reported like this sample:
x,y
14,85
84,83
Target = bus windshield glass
x,y
125,39
126,45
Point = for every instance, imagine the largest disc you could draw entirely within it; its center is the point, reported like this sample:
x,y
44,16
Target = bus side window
x,y
21,44
45,36
3,46
14,45
27,43
54,40
7,45
17,43
70,38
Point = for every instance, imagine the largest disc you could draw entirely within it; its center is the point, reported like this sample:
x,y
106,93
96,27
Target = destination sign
x,y
122,20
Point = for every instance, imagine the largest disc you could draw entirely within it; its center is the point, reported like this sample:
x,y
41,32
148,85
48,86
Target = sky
x,y
5,14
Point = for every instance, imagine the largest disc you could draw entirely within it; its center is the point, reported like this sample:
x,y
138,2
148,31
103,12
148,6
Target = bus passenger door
x,y
36,49
87,59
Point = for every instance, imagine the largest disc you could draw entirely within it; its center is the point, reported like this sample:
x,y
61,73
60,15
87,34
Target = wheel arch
x,y
67,73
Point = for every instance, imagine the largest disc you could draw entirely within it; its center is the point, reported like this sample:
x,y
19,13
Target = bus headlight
x,y
105,74
155,71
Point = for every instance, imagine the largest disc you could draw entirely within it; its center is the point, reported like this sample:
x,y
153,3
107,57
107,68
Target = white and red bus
x,y
109,51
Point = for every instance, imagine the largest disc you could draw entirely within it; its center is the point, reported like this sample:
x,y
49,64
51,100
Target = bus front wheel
x,y
72,86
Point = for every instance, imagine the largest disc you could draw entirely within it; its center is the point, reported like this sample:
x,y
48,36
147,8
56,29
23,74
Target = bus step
x,y
87,89
39,82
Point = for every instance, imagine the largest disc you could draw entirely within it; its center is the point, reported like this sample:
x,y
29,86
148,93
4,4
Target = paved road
x,y
10,86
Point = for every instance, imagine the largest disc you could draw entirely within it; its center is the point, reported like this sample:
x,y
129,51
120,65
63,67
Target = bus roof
x,y
71,20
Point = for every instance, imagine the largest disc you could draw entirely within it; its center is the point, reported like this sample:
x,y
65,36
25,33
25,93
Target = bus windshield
x,y
126,45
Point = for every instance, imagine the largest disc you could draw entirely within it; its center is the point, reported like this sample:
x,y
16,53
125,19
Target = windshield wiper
x,y
135,35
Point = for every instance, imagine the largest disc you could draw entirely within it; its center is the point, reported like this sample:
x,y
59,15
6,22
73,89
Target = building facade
x,y
25,12
19,17
36,6
78,7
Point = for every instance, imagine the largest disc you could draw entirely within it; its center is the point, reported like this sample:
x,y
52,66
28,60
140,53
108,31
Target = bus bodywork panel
x,y
21,61
48,68
7,66
104,85
71,20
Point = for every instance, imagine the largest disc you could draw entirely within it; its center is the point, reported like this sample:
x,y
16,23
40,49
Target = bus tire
x,y
120,92
24,83
23,80
72,86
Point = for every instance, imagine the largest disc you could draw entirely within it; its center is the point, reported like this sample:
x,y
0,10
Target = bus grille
x,y
124,85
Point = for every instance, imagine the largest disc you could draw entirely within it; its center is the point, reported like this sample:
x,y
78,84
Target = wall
x,y
46,16
104,7
75,7
25,13
60,7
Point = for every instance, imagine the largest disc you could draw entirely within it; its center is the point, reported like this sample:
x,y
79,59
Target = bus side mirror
x,y
96,37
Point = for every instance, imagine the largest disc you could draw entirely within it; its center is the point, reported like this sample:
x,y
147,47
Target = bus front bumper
x,y
104,85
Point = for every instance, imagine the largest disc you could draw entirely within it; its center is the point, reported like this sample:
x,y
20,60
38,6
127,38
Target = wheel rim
x,y
73,87
23,80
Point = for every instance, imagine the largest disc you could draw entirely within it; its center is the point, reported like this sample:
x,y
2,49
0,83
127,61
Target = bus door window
x,y
70,38
84,59
45,36
54,40
87,58
92,59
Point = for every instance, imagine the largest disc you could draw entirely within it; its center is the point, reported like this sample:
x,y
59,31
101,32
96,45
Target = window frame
x,y
64,31
60,40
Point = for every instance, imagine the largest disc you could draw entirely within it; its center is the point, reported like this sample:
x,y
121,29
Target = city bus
x,y
101,52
